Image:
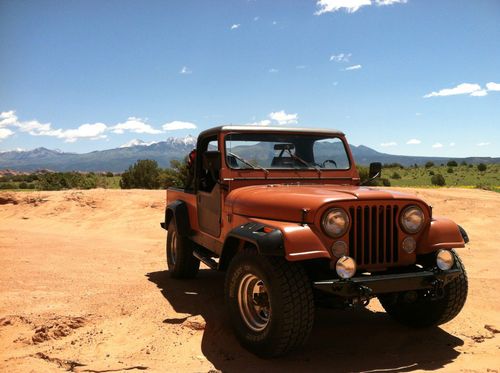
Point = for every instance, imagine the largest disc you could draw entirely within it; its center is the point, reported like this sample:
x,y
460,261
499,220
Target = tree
x,y
143,174
438,179
452,164
395,175
481,167
429,164
449,170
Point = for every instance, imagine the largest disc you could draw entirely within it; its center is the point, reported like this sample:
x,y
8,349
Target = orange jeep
x,y
283,212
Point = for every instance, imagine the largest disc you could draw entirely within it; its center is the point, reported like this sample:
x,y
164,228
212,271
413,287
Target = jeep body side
x,y
283,212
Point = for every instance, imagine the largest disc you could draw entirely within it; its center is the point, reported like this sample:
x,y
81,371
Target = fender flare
x,y
266,243
179,212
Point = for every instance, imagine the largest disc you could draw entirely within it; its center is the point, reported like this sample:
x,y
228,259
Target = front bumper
x,y
371,285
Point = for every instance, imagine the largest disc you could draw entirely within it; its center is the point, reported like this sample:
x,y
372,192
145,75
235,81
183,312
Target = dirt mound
x,y
81,199
8,198
13,320
57,328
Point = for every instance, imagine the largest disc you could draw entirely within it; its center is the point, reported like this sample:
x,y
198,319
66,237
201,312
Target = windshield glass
x,y
285,151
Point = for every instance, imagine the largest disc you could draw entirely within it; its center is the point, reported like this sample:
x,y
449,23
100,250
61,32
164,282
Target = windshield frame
x,y
289,169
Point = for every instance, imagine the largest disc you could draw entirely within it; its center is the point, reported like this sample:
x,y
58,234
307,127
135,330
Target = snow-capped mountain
x,y
137,142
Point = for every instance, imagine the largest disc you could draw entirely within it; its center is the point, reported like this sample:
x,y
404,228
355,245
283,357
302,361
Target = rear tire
x,y
270,303
425,312
180,260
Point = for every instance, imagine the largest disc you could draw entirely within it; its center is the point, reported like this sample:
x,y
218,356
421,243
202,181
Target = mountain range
x,y
119,159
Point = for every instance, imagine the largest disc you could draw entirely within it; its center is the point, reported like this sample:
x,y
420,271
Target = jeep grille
x,y
373,236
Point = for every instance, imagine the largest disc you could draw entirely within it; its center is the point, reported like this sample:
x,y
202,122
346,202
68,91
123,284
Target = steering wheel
x,y
329,161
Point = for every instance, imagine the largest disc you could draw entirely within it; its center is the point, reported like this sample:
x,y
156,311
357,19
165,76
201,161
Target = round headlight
x,y
345,267
335,222
412,219
444,260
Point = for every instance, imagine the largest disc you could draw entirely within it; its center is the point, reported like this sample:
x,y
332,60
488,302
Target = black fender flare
x,y
266,243
178,211
464,234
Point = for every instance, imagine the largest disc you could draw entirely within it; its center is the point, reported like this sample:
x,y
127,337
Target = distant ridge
x,y
119,159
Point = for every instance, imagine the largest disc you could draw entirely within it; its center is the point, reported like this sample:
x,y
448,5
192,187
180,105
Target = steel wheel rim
x,y
253,302
173,248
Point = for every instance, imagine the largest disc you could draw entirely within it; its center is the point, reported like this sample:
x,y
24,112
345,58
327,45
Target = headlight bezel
x,y
325,217
402,215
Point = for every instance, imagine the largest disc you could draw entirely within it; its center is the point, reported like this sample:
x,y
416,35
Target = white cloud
x,y
275,23
273,70
481,93
483,144
413,142
235,26
341,57
437,145
283,118
93,131
418,114
461,89
136,125
185,70
8,118
491,86
390,2
178,125
256,18
354,67
391,143
4,133
452,144
350,6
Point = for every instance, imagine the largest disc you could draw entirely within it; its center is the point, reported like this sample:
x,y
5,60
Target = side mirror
x,y
375,170
212,160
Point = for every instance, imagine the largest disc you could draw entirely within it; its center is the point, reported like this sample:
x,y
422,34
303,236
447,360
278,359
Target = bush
x,y
452,164
395,175
23,185
438,179
449,170
8,186
66,180
481,167
109,174
431,172
386,182
143,174
429,164
463,163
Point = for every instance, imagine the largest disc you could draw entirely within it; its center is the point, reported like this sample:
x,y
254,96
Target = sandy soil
x,y
83,287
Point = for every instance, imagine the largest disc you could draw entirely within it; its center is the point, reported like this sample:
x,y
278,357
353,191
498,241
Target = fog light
x,y
445,259
345,267
409,245
339,249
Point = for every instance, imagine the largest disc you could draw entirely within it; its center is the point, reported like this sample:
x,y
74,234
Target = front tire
x,y
180,260
270,303
425,311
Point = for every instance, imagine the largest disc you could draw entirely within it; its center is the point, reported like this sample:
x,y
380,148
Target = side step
x,y
201,254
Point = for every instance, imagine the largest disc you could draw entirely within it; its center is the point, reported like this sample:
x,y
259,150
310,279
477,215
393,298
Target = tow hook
x,y
363,298
437,290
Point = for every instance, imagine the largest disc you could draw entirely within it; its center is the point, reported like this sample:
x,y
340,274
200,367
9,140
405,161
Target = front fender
x,y
442,233
299,241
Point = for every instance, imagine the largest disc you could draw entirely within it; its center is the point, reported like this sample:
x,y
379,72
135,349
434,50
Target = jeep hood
x,y
285,202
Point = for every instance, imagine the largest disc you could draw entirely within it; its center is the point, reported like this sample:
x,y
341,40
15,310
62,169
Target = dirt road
x,y
83,287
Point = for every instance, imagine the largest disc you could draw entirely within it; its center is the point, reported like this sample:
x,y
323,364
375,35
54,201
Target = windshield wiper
x,y
255,167
305,163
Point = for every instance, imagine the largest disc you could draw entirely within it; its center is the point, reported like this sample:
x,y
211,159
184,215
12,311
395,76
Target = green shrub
x,y
481,167
452,164
449,170
429,164
8,186
143,174
438,179
395,175
431,172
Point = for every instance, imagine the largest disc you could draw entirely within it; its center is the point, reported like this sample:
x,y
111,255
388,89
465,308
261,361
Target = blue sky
x,y
409,77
